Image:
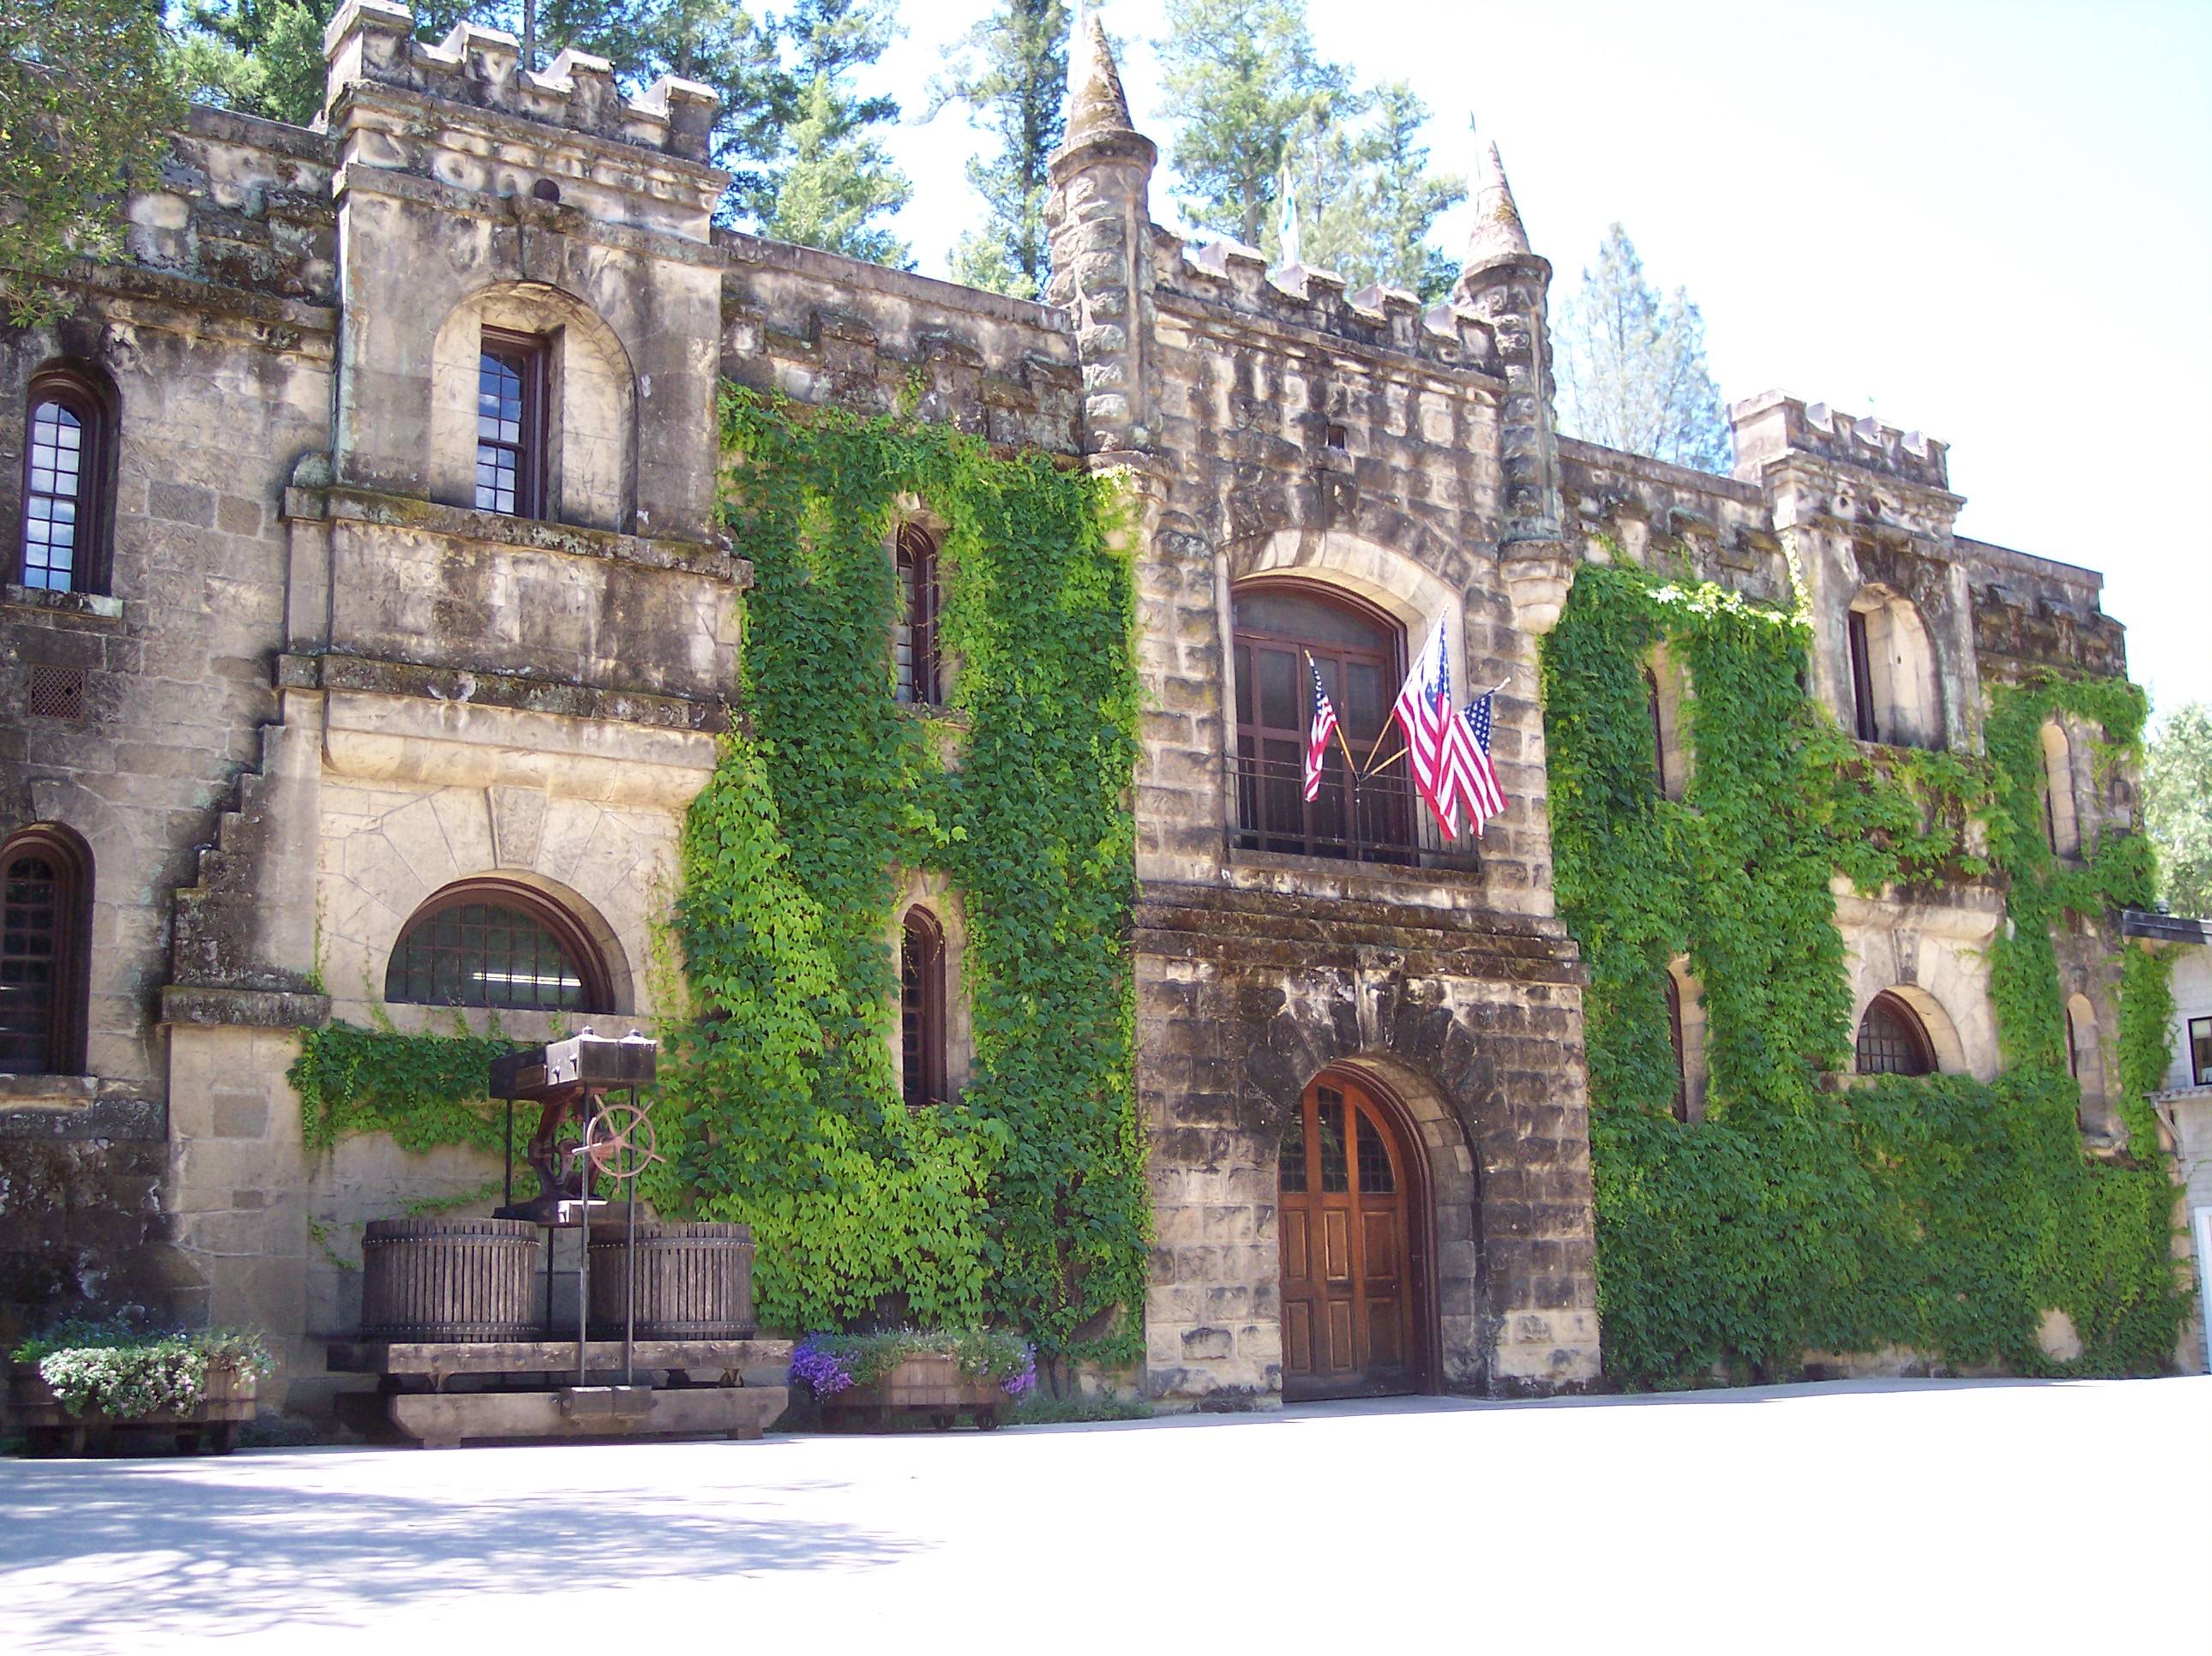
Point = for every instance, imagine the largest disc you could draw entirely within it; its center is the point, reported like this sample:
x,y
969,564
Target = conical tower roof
x,y
1095,104
1497,234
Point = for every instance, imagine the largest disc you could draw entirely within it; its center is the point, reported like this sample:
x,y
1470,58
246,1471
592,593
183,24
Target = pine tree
x,y
259,56
1240,75
65,157
837,180
1631,366
2178,808
1366,197
1016,92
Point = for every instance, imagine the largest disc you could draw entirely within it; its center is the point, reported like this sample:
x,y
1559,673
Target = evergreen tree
x,y
1366,198
87,103
2178,808
1240,75
837,181
259,56
1631,366
1017,91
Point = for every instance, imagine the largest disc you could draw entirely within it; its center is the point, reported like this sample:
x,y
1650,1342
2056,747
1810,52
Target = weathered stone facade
x,y
319,686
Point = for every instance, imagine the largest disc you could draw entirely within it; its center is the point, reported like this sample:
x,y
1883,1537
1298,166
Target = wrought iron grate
x,y
57,692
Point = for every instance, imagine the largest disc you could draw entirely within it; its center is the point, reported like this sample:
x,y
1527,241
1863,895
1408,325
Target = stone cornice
x,y
547,216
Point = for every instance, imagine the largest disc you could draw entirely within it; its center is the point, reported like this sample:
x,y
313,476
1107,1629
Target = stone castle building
x,y
368,630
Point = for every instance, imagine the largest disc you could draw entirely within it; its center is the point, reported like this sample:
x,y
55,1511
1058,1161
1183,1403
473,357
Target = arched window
x,y
1896,697
2085,1059
511,424
488,942
2060,824
1279,627
913,642
67,451
1681,1056
1892,1042
45,934
921,1010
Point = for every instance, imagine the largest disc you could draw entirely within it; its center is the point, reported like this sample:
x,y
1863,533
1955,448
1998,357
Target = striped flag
x,y
1323,727
1472,774
1423,708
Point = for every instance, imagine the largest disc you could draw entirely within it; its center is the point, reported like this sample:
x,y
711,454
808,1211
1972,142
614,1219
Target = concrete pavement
x,y
2012,1516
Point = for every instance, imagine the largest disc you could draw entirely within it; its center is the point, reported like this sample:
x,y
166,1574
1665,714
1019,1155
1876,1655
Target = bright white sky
x,y
1988,220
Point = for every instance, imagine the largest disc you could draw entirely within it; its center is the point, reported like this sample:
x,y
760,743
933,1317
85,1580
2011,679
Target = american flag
x,y
1323,727
1423,708
1467,756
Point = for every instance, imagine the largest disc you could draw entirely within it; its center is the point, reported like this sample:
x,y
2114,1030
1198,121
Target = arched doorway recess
x,y
1352,1219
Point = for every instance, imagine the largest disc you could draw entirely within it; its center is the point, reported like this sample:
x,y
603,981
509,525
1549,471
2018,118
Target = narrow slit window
x,y
1862,680
921,1010
913,642
511,425
64,486
1681,1104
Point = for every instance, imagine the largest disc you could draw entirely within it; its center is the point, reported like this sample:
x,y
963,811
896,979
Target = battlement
x,y
373,41
1772,424
1235,276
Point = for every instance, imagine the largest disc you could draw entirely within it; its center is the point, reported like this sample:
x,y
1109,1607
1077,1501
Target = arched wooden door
x,y
1353,1324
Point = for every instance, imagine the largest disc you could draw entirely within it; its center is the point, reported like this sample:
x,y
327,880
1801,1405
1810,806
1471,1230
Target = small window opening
x,y
65,487
2200,1052
1681,1055
1333,436
45,913
921,1010
545,190
511,424
1862,680
914,641
492,944
1892,1041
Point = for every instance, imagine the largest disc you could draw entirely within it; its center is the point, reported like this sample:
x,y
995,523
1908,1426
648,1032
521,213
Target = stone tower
x,y
1507,285
1100,221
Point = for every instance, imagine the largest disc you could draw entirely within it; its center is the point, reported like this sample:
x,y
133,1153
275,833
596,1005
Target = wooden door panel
x,y
1343,1356
1296,1268
1383,1344
1335,1245
1379,1231
1298,1337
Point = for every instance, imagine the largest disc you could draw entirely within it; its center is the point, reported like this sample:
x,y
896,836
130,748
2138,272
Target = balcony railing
x,y
1378,819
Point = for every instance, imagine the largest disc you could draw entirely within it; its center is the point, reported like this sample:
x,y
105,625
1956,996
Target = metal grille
x,y
484,954
30,955
57,692
1888,1044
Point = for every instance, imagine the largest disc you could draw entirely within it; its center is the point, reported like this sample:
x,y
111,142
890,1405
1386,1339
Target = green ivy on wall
x,y
1024,1201
1940,1214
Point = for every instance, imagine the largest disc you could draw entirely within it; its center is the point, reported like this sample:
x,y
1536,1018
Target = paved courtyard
x,y
1998,1517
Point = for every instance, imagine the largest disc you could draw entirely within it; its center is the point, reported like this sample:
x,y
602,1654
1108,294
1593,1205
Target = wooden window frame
x,y
95,415
1398,840
69,984
1864,723
923,1071
2200,1075
920,680
1681,1106
582,949
531,356
1915,1032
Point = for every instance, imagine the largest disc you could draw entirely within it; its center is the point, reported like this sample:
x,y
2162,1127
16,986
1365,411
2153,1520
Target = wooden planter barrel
x,y
212,1429
929,1387
449,1281
695,1281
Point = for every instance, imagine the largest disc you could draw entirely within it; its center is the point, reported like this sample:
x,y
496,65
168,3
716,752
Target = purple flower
x,y
1022,1380
820,1371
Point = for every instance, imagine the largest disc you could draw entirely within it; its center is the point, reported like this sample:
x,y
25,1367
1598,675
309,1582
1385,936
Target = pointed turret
x,y
1095,103
1099,221
1498,233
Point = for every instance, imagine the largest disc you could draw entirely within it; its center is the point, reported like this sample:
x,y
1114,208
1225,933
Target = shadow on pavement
x,y
176,1550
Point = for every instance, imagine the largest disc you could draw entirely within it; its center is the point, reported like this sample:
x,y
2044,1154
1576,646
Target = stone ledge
x,y
208,1006
345,503
467,687
79,606
47,1092
143,1120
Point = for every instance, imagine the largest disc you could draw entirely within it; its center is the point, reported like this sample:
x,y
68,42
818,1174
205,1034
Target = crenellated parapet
x,y
372,42
1233,281
1772,424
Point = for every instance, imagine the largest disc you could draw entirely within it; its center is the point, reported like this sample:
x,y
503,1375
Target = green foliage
x,y
122,1368
1024,1200
838,180
424,1090
259,56
1240,75
1632,365
1366,197
66,158
1015,85
1941,1214
983,1354
2178,808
